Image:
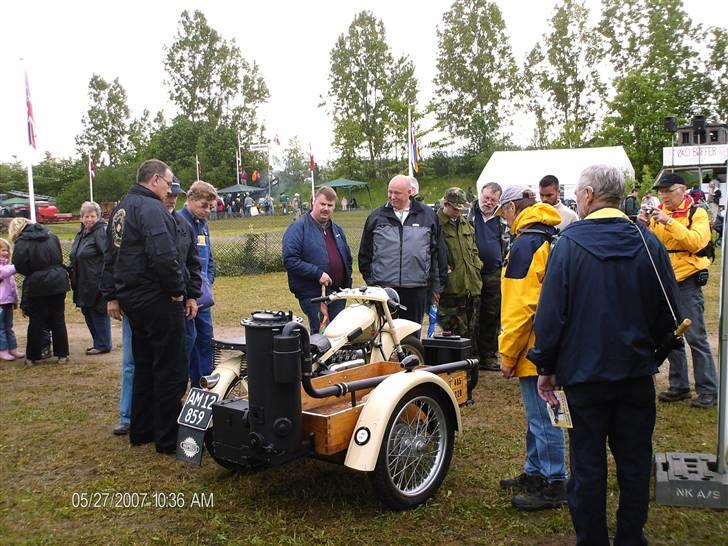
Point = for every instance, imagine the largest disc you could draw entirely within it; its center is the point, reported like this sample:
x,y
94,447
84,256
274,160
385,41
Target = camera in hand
x,y
647,209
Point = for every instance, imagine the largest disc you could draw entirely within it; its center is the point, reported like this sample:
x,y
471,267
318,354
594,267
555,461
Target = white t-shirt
x,y
568,216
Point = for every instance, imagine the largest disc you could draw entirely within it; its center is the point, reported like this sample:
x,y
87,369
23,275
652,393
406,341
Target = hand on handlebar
x,y
325,280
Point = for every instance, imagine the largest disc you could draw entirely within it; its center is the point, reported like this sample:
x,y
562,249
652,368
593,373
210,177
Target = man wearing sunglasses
x,y
684,229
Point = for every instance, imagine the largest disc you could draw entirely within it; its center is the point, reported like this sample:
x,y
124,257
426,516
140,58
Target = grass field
x,y
57,442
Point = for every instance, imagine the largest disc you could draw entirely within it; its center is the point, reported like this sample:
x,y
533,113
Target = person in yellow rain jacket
x,y
684,229
542,484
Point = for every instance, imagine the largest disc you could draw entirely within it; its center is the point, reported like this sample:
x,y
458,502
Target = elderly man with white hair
x,y
604,353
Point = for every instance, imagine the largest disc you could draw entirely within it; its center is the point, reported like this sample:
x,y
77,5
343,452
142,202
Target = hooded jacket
x,y
521,280
584,330
86,263
682,243
37,256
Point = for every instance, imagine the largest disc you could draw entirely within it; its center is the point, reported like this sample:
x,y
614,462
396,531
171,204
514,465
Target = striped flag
x,y
311,164
414,150
31,119
324,312
91,167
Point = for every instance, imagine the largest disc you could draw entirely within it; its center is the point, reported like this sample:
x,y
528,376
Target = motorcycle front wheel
x,y
410,346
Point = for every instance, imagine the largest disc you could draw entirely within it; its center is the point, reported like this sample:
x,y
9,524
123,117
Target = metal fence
x,y
249,254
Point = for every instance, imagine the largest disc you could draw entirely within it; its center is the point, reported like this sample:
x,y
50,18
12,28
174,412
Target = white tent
x,y
529,166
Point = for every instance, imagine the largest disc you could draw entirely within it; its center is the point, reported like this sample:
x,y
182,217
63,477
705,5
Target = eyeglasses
x,y
168,182
668,190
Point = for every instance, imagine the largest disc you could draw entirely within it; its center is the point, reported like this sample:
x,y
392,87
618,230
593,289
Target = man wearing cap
x,y
201,199
533,225
550,192
460,298
684,229
492,238
400,245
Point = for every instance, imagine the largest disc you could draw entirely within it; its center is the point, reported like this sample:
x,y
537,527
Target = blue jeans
x,y
690,301
99,324
545,444
127,373
198,334
313,312
7,336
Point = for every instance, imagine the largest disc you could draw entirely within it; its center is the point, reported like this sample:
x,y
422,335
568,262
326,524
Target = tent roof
x,y
529,166
240,188
344,183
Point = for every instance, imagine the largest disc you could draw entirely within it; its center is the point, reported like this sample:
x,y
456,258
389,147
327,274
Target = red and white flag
x,y
91,167
277,140
31,119
311,164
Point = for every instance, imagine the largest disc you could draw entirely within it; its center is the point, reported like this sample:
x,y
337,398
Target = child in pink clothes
x,y
8,301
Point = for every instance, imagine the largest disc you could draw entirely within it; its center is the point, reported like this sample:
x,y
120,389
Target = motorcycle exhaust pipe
x,y
209,381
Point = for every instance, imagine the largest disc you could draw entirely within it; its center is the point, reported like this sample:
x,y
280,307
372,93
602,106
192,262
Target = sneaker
x,y
526,483
63,360
45,353
673,395
552,495
30,363
121,429
704,401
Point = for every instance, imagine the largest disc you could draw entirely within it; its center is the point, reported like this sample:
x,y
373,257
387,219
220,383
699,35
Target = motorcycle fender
x,y
402,328
368,433
229,370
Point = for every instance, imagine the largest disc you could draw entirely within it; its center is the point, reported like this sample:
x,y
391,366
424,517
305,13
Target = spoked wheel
x,y
411,346
237,389
416,449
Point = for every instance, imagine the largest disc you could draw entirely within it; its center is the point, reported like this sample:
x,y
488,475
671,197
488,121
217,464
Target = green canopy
x,y
346,183
241,188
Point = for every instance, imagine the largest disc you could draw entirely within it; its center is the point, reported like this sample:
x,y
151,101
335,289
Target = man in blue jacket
x,y
604,353
316,254
201,198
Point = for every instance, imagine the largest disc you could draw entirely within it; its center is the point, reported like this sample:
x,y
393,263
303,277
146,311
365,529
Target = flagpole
x,y
238,160
31,189
90,178
197,167
409,142
312,166
31,144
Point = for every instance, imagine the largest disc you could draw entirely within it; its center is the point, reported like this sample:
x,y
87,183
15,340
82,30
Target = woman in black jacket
x,y
37,256
87,260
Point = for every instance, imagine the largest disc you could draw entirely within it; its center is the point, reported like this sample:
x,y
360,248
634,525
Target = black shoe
x,y
704,401
673,395
527,483
552,495
167,450
121,429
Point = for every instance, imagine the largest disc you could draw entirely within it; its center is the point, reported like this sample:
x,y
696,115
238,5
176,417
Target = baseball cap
x,y
455,197
667,180
176,187
514,193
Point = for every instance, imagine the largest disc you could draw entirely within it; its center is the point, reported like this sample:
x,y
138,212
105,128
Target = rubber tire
x,y
412,345
387,492
208,434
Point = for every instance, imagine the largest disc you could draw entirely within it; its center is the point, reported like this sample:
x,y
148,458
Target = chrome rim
x,y
416,445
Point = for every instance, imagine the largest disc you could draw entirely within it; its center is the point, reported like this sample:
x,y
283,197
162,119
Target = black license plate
x,y
197,411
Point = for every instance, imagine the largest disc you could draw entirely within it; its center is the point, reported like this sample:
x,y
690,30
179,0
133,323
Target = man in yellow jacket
x,y
542,483
684,229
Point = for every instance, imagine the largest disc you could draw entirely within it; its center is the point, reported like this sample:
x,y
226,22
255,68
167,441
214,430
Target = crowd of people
x,y
531,283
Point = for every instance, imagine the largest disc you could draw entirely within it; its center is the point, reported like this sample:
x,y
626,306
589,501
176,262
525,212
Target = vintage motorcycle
x,y
365,331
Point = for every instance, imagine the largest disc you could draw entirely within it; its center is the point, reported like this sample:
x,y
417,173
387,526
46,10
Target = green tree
x,y
476,80
13,176
718,68
297,164
369,92
208,78
107,123
562,70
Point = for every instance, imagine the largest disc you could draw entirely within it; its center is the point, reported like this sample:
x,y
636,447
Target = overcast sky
x,y
65,42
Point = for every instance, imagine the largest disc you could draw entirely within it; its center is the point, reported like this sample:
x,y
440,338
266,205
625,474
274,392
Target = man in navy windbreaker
x,y
316,254
602,327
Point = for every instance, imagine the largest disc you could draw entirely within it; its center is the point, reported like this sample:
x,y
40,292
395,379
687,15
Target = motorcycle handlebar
x,y
319,299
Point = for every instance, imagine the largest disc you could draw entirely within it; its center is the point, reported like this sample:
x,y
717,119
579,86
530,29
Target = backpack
x,y
708,251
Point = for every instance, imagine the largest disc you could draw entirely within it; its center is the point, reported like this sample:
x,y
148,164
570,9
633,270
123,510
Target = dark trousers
x,y
623,414
313,312
46,313
160,372
99,325
489,325
416,302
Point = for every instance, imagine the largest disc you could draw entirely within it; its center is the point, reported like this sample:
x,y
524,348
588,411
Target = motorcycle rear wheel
x,y
410,346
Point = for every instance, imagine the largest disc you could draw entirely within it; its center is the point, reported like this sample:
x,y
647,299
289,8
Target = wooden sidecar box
x,y
332,419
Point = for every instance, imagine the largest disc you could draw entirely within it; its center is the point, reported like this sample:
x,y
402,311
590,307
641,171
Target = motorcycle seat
x,y
230,344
